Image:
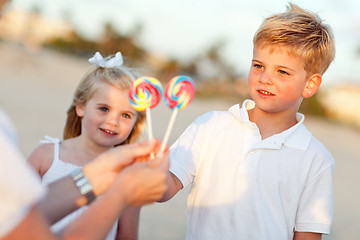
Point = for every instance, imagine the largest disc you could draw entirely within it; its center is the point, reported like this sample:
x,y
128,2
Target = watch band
x,y
83,185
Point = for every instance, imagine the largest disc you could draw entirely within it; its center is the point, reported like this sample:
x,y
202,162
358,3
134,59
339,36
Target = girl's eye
x,y
125,115
104,109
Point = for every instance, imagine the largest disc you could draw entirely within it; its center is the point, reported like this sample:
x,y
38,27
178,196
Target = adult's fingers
x,y
124,155
161,161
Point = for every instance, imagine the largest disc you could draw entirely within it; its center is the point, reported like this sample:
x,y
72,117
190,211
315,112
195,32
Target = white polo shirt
x,y
248,188
20,187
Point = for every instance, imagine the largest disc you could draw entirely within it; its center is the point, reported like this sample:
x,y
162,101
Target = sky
x,y
184,29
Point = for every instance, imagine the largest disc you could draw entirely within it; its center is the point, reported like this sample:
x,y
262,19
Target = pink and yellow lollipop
x,y
179,93
144,94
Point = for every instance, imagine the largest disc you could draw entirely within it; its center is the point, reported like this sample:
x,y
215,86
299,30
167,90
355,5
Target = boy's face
x,y
276,80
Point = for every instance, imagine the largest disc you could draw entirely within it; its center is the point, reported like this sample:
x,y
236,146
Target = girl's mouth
x,y
108,131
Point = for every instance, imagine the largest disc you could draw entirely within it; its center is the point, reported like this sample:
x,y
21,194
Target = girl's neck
x,y
271,123
80,150
90,146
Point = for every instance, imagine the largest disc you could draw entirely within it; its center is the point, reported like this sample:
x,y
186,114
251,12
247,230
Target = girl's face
x,y
276,80
107,118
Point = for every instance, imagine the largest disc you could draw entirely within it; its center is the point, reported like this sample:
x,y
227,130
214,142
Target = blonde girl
x,y
99,118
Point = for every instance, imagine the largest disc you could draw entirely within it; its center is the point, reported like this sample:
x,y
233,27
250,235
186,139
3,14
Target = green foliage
x,y
312,106
109,43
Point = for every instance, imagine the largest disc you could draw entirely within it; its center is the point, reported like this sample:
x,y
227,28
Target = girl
x,y
99,118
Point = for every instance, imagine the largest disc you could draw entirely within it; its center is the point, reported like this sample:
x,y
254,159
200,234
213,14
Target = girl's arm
x,y
128,224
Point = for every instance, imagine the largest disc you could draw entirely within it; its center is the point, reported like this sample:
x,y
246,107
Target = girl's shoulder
x,y
42,157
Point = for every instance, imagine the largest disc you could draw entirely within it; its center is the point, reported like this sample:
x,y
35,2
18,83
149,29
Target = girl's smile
x,y
108,132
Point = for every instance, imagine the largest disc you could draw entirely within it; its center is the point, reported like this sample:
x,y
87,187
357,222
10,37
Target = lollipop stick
x,y
149,126
168,130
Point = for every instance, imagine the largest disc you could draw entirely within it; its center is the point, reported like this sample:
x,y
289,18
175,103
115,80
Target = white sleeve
x,y
185,153
315,209
20,187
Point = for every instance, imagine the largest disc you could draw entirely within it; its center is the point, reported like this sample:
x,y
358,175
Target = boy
x,y
257,172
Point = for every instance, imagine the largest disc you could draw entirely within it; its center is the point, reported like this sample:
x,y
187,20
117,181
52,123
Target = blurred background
x,y
44,47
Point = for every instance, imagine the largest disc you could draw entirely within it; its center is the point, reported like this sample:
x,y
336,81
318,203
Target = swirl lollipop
x,y
179,93
144,94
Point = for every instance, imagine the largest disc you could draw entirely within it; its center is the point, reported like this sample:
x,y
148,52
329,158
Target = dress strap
x,y
56,143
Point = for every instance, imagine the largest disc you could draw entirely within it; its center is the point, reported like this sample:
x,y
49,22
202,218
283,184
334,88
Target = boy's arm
x,y
307,236
173,186
128,224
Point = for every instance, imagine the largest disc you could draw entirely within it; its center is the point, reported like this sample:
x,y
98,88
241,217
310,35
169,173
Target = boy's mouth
x,y
265,92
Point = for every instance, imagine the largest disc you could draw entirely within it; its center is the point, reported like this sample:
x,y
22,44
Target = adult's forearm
x,y
62,198
98,219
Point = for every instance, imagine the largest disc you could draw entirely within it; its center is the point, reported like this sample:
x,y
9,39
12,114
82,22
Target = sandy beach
x,y
36,90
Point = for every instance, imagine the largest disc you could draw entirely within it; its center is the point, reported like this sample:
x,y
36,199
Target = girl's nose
x,y
113,121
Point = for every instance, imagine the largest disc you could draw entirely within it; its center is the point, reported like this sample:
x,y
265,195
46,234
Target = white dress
x,y
57,170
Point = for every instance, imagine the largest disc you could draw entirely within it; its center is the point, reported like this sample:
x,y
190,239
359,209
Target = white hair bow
x,y
115,61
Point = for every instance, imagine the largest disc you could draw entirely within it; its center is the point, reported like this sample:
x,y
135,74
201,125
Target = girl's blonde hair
x,y
303,33
120,77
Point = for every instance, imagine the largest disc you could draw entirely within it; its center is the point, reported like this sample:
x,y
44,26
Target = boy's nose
x,y
265,78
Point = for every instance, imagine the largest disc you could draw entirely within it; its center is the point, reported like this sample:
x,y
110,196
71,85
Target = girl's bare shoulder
x,y
42,157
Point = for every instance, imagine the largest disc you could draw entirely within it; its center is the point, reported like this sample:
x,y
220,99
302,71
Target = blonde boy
x,y
257,172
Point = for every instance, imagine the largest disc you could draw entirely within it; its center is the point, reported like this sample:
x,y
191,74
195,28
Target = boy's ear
x,y
312,85
80,110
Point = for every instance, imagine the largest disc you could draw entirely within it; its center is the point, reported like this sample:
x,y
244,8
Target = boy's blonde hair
x,y
119,77
303,33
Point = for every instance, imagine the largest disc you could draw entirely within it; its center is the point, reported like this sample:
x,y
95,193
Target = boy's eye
x,y
104,109
283,72
259,66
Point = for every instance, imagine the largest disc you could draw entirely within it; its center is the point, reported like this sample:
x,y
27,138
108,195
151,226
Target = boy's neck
x,y
271,123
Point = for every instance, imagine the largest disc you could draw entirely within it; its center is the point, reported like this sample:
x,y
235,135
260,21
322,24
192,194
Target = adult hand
x,y
102,171
144,182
